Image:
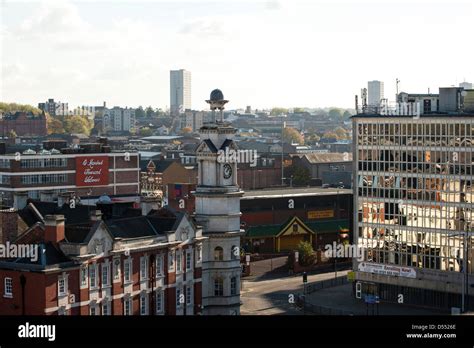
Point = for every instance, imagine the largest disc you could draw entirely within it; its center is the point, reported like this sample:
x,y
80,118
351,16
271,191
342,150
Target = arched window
x,y
218,254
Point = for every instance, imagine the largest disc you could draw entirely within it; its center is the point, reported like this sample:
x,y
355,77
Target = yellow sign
x,y
320,214
351,276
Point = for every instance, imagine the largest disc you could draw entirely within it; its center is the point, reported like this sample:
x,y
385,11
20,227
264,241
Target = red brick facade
x,y
23,123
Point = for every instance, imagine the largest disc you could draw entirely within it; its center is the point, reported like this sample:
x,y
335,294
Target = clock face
x,y
227,171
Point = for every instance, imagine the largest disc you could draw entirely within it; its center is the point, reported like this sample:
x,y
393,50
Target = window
x,y
84,275
188,260
199,253
171,260
126,270
159,301
178,262
62,311
143,267
127,306
143,304
218,254
93,309
105,274
189,294
116,269
93,276
105,307
233,286
8,291
179,297
159,265
62,286
218,287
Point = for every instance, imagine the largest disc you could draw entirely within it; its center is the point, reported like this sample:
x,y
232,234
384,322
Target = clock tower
x,y
218,212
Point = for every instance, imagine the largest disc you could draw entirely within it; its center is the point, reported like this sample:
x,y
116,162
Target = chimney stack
x,y
149,203
19,200
9,226
95,215
47,196
54,228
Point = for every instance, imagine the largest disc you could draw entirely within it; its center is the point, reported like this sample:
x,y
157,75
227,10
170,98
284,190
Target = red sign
x,y
92,171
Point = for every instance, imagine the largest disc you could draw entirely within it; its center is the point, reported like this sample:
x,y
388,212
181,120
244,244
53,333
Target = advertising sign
x,y
378,268
92,171
320,214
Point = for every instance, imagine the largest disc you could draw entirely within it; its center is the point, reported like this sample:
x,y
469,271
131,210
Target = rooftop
x,y
294,192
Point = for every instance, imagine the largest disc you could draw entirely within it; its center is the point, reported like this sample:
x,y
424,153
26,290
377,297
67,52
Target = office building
x,y
413,208
375,91
180,91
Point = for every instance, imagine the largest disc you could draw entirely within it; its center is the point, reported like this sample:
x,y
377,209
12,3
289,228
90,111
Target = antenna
x,y
397,81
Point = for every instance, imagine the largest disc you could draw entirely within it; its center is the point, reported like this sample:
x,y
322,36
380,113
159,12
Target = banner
x,y
378,268
320,214
92,171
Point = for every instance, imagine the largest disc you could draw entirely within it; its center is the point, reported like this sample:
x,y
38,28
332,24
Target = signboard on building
x,y
320,214
390,270
92,171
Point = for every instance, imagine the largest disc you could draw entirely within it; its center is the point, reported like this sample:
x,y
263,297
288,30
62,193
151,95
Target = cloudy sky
x,y
260,53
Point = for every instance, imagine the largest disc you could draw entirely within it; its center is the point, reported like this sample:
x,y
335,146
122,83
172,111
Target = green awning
x,y
263,231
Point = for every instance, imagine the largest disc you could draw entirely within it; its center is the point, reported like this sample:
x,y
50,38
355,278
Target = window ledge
x,y
8,295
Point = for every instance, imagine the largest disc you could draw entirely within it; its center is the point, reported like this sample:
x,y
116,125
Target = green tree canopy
x,y
335,113
139,112
146,132
14,107
278,111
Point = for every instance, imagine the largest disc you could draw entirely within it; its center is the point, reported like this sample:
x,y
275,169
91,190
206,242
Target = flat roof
x,y
437,115
294,192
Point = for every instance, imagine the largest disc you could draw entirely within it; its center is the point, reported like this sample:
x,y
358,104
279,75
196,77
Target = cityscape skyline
x,y
83,42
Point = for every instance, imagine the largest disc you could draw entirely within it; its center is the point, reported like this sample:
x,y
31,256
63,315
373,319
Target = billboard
x,y
92,171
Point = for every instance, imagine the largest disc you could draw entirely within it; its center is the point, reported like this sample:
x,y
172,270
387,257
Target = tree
x,y
341,133
278,111
298,110
312,139
347,114
330,136
335,113
291,135
55,126
12,134
297,175
186,130
139,112
305,253
146,132
14,107
149,112
77,124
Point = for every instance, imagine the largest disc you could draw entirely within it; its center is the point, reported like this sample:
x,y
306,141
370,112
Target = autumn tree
x,y
186,130
278,111
291,135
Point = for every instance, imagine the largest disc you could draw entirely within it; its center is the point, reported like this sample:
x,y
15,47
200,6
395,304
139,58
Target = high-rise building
x,y
180,91
465,85
413,208
54,108
193,120
376,93
218,212
118,119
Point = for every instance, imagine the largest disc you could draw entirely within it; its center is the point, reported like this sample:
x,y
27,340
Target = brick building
x,y
23,123
108,265
89,170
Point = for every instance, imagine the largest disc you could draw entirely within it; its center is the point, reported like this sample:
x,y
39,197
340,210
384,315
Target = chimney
x,y
19,200
95,215
9,225
54,228
47,196
65,198
149,203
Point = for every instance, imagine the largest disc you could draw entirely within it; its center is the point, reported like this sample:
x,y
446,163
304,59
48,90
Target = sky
x,y
287,53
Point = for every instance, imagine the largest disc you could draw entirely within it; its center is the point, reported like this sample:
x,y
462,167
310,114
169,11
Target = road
x,y
273,296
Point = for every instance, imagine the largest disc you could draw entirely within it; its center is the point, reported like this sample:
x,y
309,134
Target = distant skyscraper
x,y
180,91
466,85
375,91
